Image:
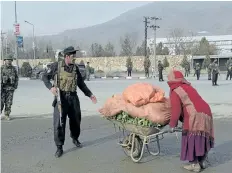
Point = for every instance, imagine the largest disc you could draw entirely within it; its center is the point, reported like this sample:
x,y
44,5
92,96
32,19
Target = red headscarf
x,y
176,79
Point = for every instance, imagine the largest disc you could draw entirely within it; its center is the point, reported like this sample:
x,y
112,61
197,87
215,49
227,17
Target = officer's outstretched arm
x,y
81,84
49,74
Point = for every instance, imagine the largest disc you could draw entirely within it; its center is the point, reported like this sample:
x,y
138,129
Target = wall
x,y
113,64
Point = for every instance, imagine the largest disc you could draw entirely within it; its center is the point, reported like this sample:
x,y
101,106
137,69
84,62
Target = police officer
x,y
147,64
198,70
186,69
160,69
87,68
68,78
9,83
209,69
215,72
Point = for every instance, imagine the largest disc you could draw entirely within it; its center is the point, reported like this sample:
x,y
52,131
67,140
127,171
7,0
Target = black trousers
x,y
215,78
198,74
146,72
70,108
209,75
186,73
229,74
161,75
129,72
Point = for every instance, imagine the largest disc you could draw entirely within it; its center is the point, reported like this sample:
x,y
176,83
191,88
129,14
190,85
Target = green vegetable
x,y
125,118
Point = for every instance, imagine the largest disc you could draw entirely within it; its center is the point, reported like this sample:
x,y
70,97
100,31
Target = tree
x,y
129,62
140,51
165,51
206,61
204,48
159,48
127,45
109,50
97,50
165,62
180,43
184,61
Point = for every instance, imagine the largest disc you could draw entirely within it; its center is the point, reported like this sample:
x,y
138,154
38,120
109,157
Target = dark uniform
x,y
209,69
147,64
9,83
129,66
69,77
215,72
87,68
160,69
198,70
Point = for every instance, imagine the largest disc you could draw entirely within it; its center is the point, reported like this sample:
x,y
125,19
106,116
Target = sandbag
x,y
143,93
158,112
113,106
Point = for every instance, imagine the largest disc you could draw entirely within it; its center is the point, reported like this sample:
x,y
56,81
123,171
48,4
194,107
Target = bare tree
x,y
180,43
128,44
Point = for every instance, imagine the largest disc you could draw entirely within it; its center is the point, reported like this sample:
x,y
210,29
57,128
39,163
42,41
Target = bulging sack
x,y
143,93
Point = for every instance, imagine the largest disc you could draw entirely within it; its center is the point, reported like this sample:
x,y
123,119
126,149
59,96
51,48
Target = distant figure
x,y
160,69
209,71
228,66
87,71
147,64
186,69
215,72
198,70
153,71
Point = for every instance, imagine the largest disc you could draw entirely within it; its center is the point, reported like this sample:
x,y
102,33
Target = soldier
x,y
87,68
129,66
147,64
160,69
215,72
198,70
69,77
230,71
228,65
9,83
186,69
209,68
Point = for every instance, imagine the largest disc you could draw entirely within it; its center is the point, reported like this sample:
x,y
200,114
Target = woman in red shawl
x,y
197,135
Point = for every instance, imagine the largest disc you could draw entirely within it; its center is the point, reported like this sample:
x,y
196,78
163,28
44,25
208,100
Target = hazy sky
x,y
54,17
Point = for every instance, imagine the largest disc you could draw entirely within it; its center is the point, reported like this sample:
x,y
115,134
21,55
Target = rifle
x,y
58,93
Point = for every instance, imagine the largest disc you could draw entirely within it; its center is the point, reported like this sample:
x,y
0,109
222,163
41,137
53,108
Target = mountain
x,y
213,17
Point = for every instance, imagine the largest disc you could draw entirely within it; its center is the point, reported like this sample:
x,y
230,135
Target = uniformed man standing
x,y
186,69
228,65
146,64
215,72
68,78
9,83
87,68
209,69
160,69
198,70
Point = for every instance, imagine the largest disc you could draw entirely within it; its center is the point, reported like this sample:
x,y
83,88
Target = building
x,y
223,42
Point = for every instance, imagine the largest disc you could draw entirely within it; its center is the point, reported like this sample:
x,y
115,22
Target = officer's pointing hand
x,y
54,91
94,99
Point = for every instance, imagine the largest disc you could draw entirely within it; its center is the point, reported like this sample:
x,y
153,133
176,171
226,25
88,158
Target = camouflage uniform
x,y
9,83
87,71
186,69
209,69
198,70
160,69
228,66
215,72
147,64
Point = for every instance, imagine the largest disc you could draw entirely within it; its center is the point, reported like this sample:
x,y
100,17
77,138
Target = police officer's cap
x,y
9,57
70,50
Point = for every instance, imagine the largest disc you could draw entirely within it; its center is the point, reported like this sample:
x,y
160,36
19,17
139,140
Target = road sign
x,y
17,31
20,41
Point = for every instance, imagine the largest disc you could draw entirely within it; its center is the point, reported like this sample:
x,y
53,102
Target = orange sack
x,y
143,93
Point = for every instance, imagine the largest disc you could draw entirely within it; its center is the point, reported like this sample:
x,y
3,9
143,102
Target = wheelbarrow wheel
x,y
137,147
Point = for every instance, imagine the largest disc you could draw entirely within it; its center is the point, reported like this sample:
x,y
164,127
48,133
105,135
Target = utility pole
x,y
154,27
2,50
146,26
16,44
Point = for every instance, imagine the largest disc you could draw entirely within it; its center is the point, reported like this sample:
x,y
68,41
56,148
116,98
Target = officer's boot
x,y
59,151
77,143
7,117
